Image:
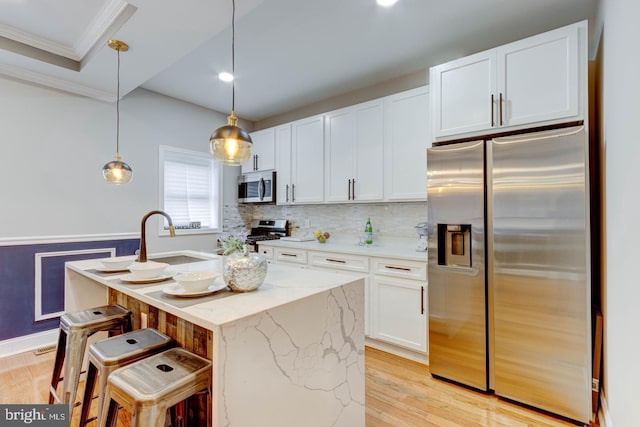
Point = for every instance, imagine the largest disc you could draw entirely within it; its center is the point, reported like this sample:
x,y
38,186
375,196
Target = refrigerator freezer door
x,y
457,338
539,274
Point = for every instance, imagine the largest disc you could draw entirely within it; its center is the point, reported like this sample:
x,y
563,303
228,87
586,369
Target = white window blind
x,y
190,189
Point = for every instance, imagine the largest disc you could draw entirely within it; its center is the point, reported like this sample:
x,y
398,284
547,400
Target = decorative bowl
x,y
147,270
118,263
195,281
244,271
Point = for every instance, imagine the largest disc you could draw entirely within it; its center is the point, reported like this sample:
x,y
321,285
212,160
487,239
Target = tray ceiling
x,y
289,53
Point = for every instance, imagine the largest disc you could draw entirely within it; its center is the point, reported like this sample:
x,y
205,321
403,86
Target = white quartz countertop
x,y
282,285
390,248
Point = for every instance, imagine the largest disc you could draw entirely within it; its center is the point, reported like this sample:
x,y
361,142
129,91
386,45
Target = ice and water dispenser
x,y
454,245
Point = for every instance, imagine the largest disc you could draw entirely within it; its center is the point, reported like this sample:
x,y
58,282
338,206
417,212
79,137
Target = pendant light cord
x,y
118,107
233,55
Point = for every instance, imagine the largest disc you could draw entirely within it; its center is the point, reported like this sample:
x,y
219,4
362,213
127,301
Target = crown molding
x,y
106,23
113,12
20,73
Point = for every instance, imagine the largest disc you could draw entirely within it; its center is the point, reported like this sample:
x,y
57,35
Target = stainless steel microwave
x,y
257,187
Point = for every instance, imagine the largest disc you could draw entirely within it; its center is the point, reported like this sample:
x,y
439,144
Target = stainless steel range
x,y
265,229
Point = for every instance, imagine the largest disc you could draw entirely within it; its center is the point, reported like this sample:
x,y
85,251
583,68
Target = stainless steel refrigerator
x,y
509,268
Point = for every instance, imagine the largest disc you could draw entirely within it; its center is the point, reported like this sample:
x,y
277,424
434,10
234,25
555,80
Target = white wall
x,y
54,146
621,130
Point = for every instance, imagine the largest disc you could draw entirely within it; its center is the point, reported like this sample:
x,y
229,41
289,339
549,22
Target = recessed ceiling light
x,y
387,3
225,77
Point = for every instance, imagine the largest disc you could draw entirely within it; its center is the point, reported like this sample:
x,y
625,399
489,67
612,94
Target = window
x,y
190,191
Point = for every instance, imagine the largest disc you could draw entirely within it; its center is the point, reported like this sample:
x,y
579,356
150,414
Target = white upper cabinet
x,y
262,151
354,153
462,94
307,160
407,135
283,164
540,80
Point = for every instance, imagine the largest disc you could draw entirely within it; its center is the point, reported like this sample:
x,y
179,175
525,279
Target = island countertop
x,y
282,286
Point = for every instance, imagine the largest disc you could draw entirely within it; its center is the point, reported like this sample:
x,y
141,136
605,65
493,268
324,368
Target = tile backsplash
x,y
342,220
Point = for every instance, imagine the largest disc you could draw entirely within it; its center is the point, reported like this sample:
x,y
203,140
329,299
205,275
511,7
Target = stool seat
x,y
95,319
109,354
148,387
75,328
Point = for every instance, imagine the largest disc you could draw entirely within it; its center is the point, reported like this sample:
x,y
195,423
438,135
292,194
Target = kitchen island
x,y
289,354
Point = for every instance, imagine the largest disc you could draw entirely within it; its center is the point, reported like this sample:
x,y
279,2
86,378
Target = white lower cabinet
x,y
395,295
398,312
340,263
290,256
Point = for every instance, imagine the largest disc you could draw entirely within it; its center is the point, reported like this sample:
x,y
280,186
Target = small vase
x,y
244,271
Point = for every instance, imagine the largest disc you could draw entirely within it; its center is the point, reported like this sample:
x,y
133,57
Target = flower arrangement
x,y
233,241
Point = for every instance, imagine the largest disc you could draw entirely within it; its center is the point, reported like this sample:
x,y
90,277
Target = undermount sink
x,y
177,259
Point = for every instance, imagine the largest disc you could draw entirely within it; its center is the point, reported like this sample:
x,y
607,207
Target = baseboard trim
x,y
398,351
28,342
604,418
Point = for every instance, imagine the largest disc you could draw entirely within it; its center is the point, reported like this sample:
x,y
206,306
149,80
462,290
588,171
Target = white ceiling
x,y
289,53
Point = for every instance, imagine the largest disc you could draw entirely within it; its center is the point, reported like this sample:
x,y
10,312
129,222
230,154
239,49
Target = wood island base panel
x,y
192,337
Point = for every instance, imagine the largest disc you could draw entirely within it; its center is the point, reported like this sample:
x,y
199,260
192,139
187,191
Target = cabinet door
x,y
368,180
538,78
339,154
283,164
307,160
262,152
407,135
399,312
462,94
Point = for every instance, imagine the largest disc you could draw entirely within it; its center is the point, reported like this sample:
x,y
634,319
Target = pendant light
x,y
231,144
116,171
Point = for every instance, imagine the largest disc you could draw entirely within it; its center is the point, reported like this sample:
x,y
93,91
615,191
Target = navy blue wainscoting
x,y
32,281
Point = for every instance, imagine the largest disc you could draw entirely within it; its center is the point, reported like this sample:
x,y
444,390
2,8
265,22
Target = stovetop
x,y
267,229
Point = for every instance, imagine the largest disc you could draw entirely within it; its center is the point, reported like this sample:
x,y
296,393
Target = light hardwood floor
x,y
399,393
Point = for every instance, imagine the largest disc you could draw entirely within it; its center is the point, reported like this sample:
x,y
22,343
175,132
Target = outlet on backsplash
x,y
307,223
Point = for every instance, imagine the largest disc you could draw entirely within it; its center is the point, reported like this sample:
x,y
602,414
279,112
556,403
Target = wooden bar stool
x,y
75,328
149,387
112,353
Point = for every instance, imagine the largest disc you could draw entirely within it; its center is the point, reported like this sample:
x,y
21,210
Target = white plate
x,y
178,291
129,278
111,270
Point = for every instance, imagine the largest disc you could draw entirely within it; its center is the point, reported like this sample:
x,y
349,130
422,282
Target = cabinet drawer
x,y
339,261
266,252
399,268
297,256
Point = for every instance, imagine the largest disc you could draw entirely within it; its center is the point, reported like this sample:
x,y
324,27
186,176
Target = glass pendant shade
x,y
117,171
231,144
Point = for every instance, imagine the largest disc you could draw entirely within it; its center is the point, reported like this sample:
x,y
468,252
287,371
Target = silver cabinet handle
x,y
349,190
391,267
255,162
293,193
286,193
421,299
493,122
340,261
287,254
500,108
